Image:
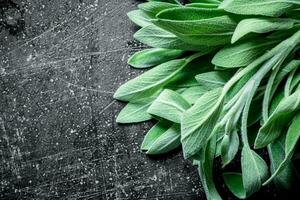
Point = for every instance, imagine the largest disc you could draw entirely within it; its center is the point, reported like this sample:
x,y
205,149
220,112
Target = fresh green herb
x,y
225,78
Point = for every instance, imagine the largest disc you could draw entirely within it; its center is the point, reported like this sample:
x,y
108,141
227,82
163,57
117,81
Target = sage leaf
x,y
205,169
166,142
291,140
151,57
242,53
154,7
276,151
169,105
254,170
272,8
278,120
202,5
170,1
260,25
229,147
191,94
234,182
186,78
135,111
205,1
154,36
295,82
198,122
214,79
139,18
157,130
200,26
150,81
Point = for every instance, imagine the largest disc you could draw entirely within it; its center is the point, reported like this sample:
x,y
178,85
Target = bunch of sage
x,y
224,77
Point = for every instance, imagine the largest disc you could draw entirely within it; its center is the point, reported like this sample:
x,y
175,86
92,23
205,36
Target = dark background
x,y
60,63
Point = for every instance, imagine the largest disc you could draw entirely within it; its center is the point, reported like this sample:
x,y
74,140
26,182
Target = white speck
x,y
72,130
29,58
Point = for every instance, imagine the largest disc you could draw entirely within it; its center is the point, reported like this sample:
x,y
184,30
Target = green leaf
x,y
287,86
214,79
260,25
156,131
200,26
139,18
205,1
205,169
271,8
166,142
283,72
150,81
135,111
284,179
242,54
202,5
191,94
278,120
170,1
295,82
198,122
291,140
157,37
234,182
186,78
169,105
254,171
154,7
151,57
229,147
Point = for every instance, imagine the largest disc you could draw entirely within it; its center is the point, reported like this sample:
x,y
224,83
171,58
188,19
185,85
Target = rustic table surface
x,y
60,63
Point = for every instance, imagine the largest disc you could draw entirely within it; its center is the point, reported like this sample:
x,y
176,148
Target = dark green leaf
x,y
234,182
291,140
284,179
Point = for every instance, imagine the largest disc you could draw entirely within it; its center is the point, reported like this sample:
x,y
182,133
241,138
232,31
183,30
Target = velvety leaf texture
x,y
221,79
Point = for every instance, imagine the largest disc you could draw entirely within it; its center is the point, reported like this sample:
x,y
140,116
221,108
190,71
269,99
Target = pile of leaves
x,y
224,79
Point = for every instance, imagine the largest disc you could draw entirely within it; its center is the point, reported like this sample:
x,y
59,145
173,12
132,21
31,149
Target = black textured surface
x,y
61,62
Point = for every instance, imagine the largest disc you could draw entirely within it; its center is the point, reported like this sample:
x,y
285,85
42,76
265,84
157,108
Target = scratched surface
x,y
60,63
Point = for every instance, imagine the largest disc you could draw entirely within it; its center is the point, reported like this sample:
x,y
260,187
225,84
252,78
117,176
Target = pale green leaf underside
x,y
198,122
